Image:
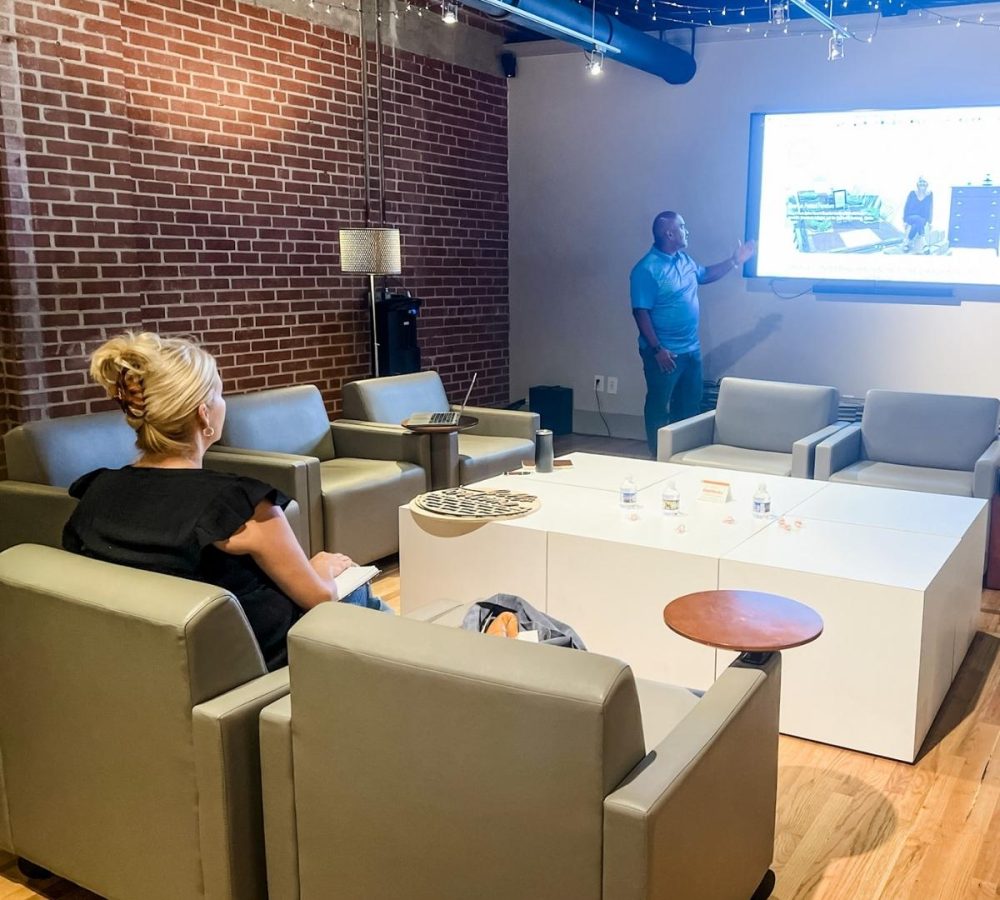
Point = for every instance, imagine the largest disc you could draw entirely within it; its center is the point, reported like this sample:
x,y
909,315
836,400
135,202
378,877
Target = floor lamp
x,y
371,252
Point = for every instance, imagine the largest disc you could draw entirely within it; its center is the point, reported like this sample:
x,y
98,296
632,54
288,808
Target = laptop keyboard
x,y
445,418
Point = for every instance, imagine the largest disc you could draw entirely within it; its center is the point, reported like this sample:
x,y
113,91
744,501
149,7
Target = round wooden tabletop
x,y
463,423
743,620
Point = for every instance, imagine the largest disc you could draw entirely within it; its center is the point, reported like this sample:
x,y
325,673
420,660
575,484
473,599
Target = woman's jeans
x,y
670,396
363,596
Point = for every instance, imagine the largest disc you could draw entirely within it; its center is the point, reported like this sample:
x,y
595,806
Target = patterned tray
x,y
469,503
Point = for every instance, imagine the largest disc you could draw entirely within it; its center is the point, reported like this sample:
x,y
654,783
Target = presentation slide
x,y
894,196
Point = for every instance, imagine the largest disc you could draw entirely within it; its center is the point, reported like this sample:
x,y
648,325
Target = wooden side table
x,y
443,447
745,621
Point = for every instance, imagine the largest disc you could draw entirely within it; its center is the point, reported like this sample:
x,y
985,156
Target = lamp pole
x,y
371,281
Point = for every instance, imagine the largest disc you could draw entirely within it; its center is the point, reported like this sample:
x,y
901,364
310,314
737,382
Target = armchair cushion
x,y
481,456
936,431
722,456
771,415
906,478
284,420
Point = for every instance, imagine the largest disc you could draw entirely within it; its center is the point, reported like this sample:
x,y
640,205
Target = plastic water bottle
x,y
671,500
628,494
761,502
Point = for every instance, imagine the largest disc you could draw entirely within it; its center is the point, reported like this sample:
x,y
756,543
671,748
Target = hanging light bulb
x,y
449,12
595,62
836,47
779,11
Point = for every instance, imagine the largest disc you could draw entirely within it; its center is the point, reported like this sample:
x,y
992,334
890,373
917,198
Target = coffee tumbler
x,y
543,450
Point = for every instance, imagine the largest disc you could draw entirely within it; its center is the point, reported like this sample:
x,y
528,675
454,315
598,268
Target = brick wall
x,y
189,165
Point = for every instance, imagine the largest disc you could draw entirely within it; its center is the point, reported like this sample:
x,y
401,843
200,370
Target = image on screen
x,y
885,196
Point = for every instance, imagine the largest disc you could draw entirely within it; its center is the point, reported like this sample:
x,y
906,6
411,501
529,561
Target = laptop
x,y
443,418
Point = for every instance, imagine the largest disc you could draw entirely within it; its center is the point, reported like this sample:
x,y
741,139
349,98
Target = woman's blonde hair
x,y
159,384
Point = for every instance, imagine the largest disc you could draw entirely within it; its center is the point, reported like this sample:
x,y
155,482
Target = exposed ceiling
x,y
668,15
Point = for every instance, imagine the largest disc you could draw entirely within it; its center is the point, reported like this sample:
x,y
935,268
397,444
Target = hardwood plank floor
x,y
849,826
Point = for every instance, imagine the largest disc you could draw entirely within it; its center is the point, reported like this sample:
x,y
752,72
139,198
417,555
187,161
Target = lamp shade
x,y
370,251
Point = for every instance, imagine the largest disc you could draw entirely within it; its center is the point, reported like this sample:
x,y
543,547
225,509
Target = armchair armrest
x,y
710,784
839,450
278,779
227,763
984,479
685,435
296,476
33,513
375,440
503,422
804,450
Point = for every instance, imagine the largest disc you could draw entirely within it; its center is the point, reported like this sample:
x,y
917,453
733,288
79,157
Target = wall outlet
x,y
612,384
598,382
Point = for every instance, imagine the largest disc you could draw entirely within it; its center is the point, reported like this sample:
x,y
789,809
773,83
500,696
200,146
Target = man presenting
x,y
664,289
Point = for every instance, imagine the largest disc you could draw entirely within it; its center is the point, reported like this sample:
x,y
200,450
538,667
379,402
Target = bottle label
x,y
671,504
629,496
761,506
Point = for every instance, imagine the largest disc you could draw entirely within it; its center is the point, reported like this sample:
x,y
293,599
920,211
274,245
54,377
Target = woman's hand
x,y
330,565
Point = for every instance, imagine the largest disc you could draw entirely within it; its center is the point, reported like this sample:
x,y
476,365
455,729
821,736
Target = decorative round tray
x,y
469,503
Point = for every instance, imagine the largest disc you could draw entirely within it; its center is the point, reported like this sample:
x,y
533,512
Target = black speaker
x,y
508,62
554,406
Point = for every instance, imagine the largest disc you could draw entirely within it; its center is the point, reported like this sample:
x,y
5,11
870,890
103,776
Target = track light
x,y
779,11
595,61
836,50
449,12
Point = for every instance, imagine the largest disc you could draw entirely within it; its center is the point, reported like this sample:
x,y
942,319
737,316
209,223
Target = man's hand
x,y
743,252
666,360
330,565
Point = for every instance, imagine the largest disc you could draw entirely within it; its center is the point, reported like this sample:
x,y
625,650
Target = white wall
x,y
593,160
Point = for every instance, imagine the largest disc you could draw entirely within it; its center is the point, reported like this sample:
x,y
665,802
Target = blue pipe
x,y
637,49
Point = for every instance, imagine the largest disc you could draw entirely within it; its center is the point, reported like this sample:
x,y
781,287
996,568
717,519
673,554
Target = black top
x,y
166,520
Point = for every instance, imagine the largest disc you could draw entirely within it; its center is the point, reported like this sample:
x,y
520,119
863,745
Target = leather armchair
x,y
757,426
939,443
44,458
129,707
419,761
501,440
356,478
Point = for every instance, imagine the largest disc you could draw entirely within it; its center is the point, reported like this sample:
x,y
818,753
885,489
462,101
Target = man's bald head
x,y
669,231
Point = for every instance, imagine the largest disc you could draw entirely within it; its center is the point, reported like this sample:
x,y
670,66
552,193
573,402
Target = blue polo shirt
x,y
667,285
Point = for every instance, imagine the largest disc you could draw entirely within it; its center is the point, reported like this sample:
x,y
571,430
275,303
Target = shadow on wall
x,y
720,359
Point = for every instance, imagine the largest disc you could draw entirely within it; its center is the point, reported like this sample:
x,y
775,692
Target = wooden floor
x,y
850,826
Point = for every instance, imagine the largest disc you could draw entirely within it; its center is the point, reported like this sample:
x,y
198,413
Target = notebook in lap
x,y
443,418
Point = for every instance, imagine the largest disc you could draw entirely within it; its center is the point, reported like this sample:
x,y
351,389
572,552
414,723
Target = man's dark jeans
x,y
671,396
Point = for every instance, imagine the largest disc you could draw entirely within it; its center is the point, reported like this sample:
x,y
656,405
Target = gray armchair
x,y
758,426
419,761
44,458
501,440
939,443
356,477
129,708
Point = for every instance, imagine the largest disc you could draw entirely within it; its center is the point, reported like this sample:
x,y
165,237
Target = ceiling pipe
x,y
571,21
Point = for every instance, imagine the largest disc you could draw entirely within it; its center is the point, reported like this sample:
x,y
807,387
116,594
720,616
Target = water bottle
x,y
628,494
761,502
671,500
543,450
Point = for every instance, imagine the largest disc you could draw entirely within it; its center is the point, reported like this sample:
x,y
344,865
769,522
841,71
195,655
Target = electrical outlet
x,y
612,384
598,382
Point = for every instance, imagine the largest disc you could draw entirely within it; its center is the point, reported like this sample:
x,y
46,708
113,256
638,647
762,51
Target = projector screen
x,y
876,197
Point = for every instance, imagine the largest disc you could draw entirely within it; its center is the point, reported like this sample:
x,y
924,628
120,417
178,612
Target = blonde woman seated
x,y
167,514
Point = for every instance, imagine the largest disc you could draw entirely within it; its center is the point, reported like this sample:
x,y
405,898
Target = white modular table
x,y
582,559
896,575
898,589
